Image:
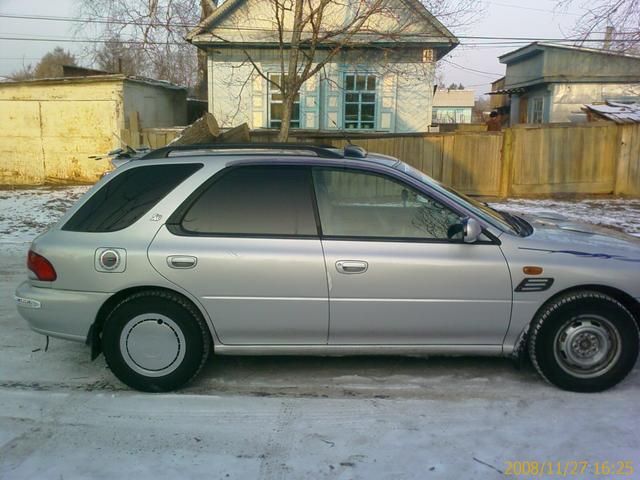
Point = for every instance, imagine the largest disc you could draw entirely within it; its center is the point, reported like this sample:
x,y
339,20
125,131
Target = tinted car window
x,y
127,197
359,204
261,200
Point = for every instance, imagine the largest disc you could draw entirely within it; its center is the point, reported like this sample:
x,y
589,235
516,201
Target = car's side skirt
x,y
347,350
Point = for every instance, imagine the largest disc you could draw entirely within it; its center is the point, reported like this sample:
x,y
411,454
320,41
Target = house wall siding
x,y
404,93
561,62
156,106
524,71
568,99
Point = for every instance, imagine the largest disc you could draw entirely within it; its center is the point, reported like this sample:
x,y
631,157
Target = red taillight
x,y
41,267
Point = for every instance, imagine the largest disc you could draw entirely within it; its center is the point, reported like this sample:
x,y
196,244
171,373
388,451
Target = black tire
x,y
188,334
562,346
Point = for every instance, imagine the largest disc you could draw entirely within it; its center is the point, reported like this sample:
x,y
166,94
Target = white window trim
x,y
532,112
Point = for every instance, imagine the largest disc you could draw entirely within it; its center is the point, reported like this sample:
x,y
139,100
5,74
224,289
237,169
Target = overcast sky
x,y
502,18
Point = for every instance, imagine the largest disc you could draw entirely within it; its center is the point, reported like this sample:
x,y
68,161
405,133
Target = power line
x,y
96,20
70,40
533,9
504,41
472,70
105,21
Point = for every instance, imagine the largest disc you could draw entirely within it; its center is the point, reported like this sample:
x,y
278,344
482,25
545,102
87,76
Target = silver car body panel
x,y
574,255
59,313
285,296
412,293
256,290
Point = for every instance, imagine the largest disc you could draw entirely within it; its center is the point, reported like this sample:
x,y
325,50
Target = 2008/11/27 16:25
x,y
569,468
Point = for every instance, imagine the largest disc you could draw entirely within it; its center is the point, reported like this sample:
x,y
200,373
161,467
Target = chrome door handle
x,y
182,261
351,266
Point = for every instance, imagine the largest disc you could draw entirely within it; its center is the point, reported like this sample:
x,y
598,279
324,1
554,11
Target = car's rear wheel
x,y
584,342
155,341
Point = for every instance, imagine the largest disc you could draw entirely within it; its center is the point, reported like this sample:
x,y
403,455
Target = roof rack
x,y
320,151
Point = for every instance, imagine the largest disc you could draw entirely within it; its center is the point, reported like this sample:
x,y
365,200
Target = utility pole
x,y
608,37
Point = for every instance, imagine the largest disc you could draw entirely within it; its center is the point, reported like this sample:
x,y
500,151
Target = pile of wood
x,y
206,130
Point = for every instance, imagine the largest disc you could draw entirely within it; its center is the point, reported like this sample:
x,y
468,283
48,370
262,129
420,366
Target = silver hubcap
x,y
587,346
152,344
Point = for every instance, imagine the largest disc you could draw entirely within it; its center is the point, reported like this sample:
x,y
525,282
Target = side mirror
x,y
471,229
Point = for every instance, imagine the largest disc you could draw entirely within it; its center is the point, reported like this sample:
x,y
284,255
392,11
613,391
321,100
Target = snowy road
x,y
63,416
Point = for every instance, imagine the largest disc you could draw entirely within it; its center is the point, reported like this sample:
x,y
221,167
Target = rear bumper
x,y
58,313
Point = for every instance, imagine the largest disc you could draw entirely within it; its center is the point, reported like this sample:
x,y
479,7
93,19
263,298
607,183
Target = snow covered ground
x,y
63,416
621,214
26,212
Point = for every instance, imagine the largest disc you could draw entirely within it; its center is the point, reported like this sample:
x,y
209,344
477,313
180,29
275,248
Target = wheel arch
x,y
94,336
628,301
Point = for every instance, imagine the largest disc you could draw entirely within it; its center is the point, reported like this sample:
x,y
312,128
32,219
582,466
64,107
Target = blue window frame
x,y
360,101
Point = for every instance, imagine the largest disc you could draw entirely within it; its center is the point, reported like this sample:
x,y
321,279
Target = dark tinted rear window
x,y
271,200
127,197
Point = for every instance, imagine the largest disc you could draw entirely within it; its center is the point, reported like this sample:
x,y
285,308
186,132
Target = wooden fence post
x,y
448,160
134,129
506,160
623,152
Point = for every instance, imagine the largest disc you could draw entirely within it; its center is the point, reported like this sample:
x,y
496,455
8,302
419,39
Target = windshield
x,y
481,209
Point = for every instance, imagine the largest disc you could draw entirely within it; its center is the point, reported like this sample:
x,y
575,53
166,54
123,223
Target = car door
x,y
399,272
246,245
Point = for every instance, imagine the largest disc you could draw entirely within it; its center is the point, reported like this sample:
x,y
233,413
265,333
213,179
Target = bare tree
x,y
618,21
481,106
457,15
303,27
154,31
115,57
50,65
26,72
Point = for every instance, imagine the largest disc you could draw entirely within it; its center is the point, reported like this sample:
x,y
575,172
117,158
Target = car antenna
x,y
342,132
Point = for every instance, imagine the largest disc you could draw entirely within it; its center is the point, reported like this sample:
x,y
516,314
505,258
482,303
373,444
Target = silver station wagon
x,y
302,250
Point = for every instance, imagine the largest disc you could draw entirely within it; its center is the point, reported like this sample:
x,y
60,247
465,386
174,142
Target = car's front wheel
x,y
155,341
584,341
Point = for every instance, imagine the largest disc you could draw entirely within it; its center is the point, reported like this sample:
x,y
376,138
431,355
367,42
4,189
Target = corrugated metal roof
x,y
616,112
540,46
97,78
507,91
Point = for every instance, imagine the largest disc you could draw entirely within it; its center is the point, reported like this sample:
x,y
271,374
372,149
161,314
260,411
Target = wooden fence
x,y
526,160
563,159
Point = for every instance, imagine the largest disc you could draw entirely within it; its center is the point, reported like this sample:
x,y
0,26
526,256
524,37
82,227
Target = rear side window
x,y
255,200
128,196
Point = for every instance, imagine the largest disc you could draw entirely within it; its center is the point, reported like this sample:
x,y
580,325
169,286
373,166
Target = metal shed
x,y
50,127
